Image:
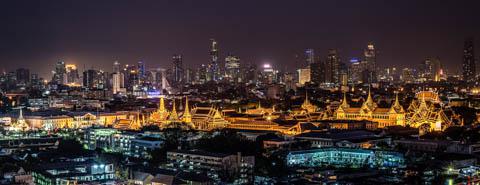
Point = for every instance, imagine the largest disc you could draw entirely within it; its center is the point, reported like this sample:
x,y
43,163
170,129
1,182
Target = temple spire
x,y
161,107
174,115
344,101
186,117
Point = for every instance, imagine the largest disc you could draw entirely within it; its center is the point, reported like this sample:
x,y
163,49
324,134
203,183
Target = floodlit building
x,y
345,157
395,115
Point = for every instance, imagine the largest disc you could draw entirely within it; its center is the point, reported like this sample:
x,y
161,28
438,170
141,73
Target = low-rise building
x,y
345,157
217,166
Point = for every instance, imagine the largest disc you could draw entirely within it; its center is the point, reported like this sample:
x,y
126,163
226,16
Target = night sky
x,y
36,34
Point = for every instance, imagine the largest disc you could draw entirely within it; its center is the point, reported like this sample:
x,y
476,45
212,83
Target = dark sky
x,y
36,34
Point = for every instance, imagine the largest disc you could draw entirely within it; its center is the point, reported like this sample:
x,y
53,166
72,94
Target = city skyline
x,y
42,34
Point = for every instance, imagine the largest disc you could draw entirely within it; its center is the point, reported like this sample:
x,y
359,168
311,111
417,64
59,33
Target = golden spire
x,y
369,97
344,101
173,115
161,107
187,117
397,103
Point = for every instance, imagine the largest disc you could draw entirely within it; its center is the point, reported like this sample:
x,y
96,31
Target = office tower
x,y
189,76
35,79
268,74
431,70
342,74
250,73
469,70
202,74
23,76
118,79
132,77
303,76
95,79
141,72
355,70
232,68
332,67
289,81
89,78
309,57
177,69
71,73
317,72
116,67
213,67
407,75
371,64
59,73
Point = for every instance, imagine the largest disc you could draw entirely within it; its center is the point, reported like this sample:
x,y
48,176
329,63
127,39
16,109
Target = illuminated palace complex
x,y
395,115
425,112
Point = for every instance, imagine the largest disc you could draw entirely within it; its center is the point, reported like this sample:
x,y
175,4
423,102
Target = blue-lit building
x,y
345,157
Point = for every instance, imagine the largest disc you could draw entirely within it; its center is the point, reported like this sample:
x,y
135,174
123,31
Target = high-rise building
x,y
332,65
213,67
141,70
95,79
303,76
59,73
189,75
71,73
469,70
355,70
202,74
431,70
317,72
118,79
408,76
250,73
268,74
177,69
309,57
371,64
232,68
23,76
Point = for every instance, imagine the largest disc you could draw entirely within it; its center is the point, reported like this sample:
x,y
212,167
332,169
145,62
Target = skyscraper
x,y
59,73
23,76
71,73
469,70
213,67
303,76
370,64
332,65
309,57
118,79
177,69
317,72
232,68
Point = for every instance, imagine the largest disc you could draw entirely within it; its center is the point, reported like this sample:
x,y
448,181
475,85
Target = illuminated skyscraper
x,y
59,73
303,76
232,68
71,72
309,57
370,64
177,69
469,70
317,72
332,65
118,79
213,67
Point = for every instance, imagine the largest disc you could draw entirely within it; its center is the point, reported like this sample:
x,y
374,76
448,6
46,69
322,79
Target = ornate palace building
x,y
208,118
395,115
427,113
